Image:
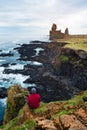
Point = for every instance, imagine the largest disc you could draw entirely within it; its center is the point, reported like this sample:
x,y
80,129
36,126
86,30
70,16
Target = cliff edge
x,y
59,115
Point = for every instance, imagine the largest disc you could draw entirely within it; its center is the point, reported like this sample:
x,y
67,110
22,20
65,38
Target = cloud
x,y
22,18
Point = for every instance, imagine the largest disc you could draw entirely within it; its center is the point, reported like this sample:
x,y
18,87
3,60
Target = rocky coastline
x,y
63,72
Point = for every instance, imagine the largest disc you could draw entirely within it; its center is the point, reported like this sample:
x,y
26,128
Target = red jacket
x,y
34,100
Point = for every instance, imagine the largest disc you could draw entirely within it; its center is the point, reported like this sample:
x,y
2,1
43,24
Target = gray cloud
x,y
36,17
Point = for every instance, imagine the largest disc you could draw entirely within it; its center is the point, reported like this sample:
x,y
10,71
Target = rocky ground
x,y
59,115
63,73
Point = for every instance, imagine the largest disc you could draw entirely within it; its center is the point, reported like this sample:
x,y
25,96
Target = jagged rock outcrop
x,y
15,101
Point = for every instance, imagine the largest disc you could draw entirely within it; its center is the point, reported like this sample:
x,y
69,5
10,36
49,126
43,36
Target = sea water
x,y
7,80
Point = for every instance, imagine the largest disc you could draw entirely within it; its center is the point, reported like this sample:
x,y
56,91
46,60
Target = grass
x,y
75,43
41,109
64,58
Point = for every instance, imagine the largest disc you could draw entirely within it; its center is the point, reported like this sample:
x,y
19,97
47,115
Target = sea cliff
x,y
61,75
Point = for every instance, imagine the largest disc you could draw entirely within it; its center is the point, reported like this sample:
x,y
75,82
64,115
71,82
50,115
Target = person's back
x,y
34,99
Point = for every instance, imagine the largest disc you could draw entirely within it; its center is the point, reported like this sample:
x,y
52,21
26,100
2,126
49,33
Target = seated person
x,y
33,99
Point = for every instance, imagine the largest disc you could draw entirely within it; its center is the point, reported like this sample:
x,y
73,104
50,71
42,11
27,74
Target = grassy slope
x,y
75,43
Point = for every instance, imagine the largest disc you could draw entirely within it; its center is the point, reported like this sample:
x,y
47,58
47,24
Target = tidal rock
x,y
6,54
3,92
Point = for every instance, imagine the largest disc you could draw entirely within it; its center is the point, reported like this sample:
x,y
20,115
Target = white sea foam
x,y
3,101
1,70
8,79
35,63
38,49
17,66
2,60
30,85
18,78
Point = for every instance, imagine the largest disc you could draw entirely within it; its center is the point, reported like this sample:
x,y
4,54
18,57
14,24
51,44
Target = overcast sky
x,y
21,19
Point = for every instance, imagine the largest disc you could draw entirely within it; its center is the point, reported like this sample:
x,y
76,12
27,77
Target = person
x,y
33,99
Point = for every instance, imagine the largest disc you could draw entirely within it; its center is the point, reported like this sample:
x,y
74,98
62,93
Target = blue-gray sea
x,y
7,80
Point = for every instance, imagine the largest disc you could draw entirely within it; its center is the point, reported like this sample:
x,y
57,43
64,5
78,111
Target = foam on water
x,y
8,79
3,101
17,66
2,60
35,63
38,49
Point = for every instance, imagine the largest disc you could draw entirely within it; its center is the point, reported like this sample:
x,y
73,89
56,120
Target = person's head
x,y
33,90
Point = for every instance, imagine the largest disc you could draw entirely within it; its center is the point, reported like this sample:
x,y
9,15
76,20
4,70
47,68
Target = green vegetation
x,y
77,46
62,113
64,58
30,124
2,127
41,109
75,43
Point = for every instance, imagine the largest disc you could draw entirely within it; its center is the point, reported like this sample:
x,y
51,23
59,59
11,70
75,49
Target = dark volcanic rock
x,y
27,51
5,65
3,92
57,78
6,54
40,42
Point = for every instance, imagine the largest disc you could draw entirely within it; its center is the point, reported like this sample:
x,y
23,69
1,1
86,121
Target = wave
x,y
9,79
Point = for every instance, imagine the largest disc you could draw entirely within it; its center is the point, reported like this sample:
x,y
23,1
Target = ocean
x,y
7,80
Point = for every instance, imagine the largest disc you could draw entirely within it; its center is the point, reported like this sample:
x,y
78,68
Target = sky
x,y
22,19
